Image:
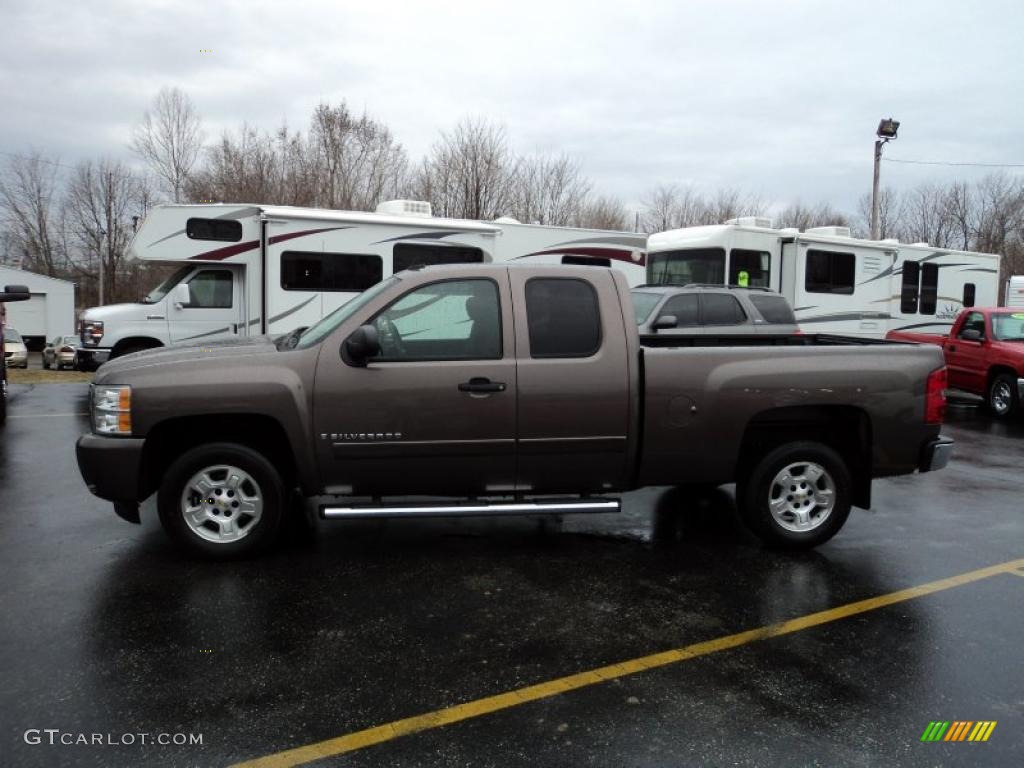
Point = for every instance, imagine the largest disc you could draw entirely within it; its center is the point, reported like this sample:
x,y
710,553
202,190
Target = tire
x,y
236,477
800,517
1002,398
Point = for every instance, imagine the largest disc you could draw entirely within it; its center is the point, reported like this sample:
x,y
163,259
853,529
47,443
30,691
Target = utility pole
x,y
886,132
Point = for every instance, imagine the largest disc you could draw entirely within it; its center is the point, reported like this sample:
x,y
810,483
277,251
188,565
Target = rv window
x,y
969,294
929,288
408,255
908,292
719,309
210,289
756,264
690,265
587,261
562,317
829,272
313,271
214,229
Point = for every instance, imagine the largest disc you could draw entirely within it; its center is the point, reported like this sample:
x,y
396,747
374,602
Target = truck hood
x,y
117,311
202,354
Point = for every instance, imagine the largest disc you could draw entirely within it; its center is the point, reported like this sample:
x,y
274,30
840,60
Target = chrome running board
x,y
473,509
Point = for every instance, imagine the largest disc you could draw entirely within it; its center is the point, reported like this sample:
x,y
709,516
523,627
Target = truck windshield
x,y
161,290
690,265
1008,326
317,333
643,305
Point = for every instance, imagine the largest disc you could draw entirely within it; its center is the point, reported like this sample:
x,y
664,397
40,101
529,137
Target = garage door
x,y
28,317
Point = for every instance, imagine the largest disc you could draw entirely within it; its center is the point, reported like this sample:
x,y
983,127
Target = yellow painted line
x,y
988,732
379,734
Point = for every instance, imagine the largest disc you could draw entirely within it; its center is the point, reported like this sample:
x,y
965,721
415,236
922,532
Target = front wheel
x,y
1002,396
797,496
222,501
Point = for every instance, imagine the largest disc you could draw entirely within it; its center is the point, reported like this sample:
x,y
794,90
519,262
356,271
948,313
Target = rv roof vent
x,y
829,231
405,208
890,241
506,220
921,242
789,231
751,221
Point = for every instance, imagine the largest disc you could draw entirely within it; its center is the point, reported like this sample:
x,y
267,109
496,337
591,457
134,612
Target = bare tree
x,y
604,212
169,138
548,190
890,214
803,217
29,198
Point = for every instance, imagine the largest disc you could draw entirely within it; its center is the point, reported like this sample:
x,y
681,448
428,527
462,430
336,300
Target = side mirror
x,y
665,321
971,334
182,296
15,293
363,344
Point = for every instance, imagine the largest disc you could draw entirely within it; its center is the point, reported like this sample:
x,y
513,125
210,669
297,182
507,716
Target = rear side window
x,y
686,309
407,255
563,317
720,309
774,309
225,230
908,294
829,272
316,271
929,288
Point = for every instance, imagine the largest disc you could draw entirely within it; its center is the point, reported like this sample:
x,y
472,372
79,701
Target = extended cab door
x,y
214,308
435,412
574,381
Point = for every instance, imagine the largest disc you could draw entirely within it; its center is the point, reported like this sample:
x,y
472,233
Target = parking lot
x,y
494,642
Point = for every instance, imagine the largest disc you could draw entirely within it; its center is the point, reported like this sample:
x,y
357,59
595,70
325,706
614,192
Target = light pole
x,y
886,132
102,233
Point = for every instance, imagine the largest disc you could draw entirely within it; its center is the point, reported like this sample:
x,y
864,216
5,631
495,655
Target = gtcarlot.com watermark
x,y
55,736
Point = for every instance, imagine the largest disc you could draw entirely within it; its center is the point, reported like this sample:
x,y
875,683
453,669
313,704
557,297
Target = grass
x,y
41,376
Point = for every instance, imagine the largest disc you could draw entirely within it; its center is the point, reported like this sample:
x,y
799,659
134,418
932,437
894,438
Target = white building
x,y
50,312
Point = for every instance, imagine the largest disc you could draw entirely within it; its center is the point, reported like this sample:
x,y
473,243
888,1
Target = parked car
x,y
984,353
502,390
691,310
15,351
59,352
9,293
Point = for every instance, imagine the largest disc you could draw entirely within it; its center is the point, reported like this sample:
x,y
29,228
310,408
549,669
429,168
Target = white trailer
x,y
835,282
50,310
255,269
1015,292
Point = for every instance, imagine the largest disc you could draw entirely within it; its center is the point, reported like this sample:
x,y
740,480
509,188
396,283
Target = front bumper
x,y
112,470
90,359
936,454
16,359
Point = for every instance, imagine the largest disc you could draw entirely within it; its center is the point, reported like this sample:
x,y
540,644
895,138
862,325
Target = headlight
x,y
92,332
112,410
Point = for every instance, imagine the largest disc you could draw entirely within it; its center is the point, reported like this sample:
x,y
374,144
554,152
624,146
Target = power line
x,y
939,162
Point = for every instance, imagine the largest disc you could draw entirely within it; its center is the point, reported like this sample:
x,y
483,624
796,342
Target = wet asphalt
x,y
108,630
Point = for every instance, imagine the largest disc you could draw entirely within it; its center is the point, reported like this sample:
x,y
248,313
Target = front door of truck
x,y
435,412
214,308
964,357
574,382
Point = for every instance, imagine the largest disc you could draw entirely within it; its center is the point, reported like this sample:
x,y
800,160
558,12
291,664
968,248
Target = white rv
x,y
1015,292
254,269
836,283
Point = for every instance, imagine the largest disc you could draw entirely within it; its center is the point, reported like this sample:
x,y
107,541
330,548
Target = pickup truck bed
x,y
497,389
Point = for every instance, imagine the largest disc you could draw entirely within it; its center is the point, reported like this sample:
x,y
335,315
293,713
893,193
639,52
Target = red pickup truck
x,y
984,355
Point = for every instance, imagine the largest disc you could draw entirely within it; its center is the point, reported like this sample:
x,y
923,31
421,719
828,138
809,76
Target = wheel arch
x,y
135,343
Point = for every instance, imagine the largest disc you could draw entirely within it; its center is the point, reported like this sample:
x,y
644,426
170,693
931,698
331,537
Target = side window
x,y
720,309
563,317
408,255
587,261
974,322
908,292
774,309
224,230
686,308
447,320
210,289
829,272
969,291
749,268
316,271
929,288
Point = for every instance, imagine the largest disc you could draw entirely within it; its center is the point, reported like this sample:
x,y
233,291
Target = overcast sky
x,y
778,99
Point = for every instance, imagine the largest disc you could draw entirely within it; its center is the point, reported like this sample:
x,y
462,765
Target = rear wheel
x,y
797,496
1003,396
222,501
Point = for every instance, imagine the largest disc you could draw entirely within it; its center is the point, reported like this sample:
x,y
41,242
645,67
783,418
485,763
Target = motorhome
x,y
1015,292
258,269
836,283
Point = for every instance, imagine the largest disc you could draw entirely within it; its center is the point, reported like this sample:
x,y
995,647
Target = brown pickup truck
x,y
496,389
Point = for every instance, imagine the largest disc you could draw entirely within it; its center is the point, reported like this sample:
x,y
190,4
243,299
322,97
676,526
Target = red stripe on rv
x,y
219,254
617,254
